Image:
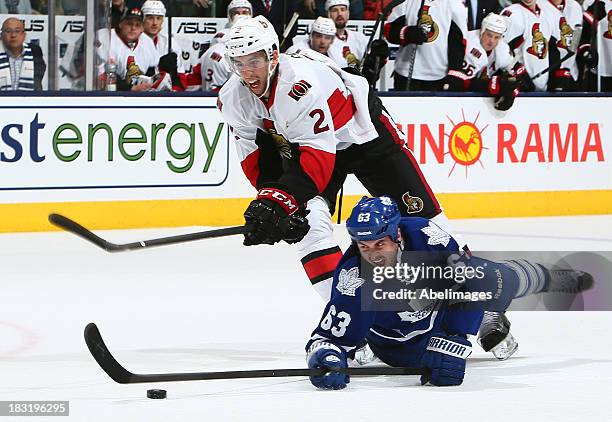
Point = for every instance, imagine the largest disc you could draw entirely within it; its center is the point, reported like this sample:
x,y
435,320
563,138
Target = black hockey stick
x,y
121,375
558,63
75,228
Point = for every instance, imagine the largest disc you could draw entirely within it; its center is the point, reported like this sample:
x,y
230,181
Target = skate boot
x,y
494,335
569,281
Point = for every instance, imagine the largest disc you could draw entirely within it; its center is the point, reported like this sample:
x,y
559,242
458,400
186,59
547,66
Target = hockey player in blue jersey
x,y
429,333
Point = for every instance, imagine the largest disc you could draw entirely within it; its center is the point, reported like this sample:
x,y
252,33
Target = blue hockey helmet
x,y
374,218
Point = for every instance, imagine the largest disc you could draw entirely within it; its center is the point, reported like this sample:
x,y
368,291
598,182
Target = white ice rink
x,y
216,305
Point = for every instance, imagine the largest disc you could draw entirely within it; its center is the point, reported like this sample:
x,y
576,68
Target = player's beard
x,y
341,24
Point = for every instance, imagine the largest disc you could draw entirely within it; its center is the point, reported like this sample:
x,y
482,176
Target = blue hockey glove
x,y
445,358
326,355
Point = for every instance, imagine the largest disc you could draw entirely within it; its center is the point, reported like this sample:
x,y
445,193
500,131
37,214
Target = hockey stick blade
x,y
119,374
75,228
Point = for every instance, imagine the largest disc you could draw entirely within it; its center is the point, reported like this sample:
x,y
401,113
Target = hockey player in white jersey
x,y
566,17
598,36
321,38
234,8
487,64
436,29
349,47
300,125
131,50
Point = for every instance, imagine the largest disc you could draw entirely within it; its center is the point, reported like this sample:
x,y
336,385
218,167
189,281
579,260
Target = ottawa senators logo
x,y
608,33
567,34
413,204
282,145
350,58
539,44
428,25
299,89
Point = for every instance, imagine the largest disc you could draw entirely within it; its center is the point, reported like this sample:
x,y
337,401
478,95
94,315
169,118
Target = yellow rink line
x,y
226,212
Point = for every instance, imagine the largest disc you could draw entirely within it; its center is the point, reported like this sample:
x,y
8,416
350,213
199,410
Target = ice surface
x,y
216,305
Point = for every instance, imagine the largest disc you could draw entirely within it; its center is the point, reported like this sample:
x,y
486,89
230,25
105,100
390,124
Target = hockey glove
x,y
380,48
412,35
267,218
295,227
588,58
561,80
445,358
322,354
505,89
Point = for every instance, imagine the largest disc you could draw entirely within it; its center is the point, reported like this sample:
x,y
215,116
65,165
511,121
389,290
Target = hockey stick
x,y
75,228
414,50
558,63
119,374
289,27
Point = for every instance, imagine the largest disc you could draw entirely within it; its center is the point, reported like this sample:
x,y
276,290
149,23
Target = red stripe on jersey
x,y
250,167
194,77
322,264
342,108
270,101
393,130
318,165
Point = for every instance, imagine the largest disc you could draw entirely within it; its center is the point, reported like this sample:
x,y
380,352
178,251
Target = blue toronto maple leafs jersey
x,y
397,338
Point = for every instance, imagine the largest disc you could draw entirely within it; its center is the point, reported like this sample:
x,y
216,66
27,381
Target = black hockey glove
x,y
505,89
598,9
412,35
168,63
380,48
588,58
561,81
271,217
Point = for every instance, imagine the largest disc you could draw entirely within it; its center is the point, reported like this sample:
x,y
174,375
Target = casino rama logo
x,y
465,143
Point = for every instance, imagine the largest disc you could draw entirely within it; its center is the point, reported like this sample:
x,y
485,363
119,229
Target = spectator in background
x,y
15,7
478,9
279,13
22,66
74,7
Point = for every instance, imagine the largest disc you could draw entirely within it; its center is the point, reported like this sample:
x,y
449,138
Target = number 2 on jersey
x,y
321,116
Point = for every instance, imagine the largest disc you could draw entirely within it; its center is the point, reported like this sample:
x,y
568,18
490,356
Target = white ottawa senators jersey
x,y
142,54
161,44
528,34
314,110
604,37
478,64
565,19
215,71
349,49
431,60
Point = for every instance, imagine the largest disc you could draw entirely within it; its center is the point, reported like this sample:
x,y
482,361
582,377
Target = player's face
x,y
321,42
380,252
489,40
253,69
130,29
340,15
153,24
245,11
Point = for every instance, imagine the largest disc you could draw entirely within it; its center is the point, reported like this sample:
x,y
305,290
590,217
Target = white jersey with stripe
x,y
352,42
565,21
604,37
314,106
143,52
529,34
431,60
301,44
214,68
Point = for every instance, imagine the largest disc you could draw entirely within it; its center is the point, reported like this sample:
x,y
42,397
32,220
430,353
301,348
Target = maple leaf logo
x,y
436,235
349,281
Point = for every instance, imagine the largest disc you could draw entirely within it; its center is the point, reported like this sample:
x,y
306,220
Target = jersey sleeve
x,y
459,15
514,33
503,57
344,323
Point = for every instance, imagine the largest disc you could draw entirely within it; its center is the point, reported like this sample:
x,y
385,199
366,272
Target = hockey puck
x,y
156,394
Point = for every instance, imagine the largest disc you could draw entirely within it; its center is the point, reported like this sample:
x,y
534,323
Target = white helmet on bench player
x,y
238,4
153,7
494,23
324,26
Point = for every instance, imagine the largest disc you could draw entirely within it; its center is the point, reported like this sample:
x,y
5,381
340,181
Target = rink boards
x,y
119,162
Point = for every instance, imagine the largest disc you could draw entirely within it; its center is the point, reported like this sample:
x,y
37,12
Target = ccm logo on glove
x,y
285,200
448,347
